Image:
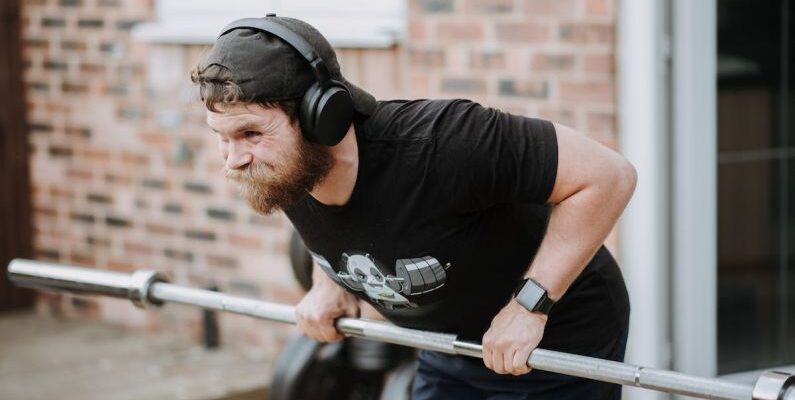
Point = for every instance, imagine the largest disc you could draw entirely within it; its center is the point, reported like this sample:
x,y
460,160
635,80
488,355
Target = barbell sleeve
x,y
151,288
40,274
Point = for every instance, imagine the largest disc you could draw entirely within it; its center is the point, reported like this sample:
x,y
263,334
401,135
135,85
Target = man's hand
x,y
514,333
324,303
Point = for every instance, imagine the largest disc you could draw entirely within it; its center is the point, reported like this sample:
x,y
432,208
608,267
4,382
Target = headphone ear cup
x,y
333,115
306,114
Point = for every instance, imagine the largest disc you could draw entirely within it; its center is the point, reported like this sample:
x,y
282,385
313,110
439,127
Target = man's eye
x,y
251,134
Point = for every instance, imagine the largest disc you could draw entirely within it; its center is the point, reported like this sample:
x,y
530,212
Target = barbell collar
x,y
774,385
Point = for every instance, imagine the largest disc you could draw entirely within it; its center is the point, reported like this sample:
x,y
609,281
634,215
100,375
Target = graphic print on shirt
x,y
413,276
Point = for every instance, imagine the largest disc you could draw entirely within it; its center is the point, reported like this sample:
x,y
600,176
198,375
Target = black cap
x,y
269,69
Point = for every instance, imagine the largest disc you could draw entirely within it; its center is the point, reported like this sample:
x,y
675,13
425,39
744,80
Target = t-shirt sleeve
x,y
485,156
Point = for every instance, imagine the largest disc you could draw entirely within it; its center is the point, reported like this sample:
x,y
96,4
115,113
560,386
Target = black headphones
x,y
327,107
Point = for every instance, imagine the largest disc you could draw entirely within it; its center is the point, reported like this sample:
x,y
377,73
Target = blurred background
x,y
107,163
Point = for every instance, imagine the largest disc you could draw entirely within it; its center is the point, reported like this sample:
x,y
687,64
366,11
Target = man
x,y
443,215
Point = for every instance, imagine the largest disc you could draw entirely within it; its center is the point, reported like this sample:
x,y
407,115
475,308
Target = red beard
x,y
268,188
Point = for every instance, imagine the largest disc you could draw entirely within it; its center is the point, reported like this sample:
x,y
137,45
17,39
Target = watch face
x,y
530,295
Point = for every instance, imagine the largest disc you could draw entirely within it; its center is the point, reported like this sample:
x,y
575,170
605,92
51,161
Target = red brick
x,y
123,266
251,242
61,193
100,156
287,295
118,178
522,32
600,64
449,31
137,248
134,160
221,261
587,33
533,89
462,86
600,121
159,140
599,8
487,59
553,62
418,30
79,174
426,58
83,259
266,220
419,85
46,211
160,229
588,92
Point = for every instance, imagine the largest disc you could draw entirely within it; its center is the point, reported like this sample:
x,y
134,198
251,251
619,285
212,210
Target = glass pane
x,y
748,271
749,66
756,186
788,311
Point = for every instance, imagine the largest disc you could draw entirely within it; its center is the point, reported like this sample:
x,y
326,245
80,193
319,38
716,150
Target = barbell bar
x,y
147,288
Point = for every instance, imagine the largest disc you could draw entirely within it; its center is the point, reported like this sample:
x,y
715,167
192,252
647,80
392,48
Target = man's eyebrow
x,y
245,126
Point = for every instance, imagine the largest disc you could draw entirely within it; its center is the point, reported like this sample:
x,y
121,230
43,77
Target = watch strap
x,y
544,305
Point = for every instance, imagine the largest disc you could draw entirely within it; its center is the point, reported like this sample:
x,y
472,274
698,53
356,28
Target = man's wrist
x,y
520,309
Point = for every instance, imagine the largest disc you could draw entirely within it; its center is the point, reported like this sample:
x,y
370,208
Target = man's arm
x,y
592,187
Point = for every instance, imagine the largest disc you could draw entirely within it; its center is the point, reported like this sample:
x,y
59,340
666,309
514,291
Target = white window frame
x,y
346,24
694,167
643,125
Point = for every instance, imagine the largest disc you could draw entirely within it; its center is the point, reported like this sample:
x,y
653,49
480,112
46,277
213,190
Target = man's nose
x,y
237,157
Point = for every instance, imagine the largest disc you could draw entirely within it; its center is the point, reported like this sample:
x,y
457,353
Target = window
x,y
756,185
348,23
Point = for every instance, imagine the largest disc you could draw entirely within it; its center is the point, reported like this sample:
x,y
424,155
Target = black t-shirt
x,y
445,217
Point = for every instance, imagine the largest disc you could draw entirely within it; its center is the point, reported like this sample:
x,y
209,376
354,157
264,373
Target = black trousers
x,y
443,376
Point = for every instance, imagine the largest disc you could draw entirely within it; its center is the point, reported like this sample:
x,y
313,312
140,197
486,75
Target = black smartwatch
x,y
532,296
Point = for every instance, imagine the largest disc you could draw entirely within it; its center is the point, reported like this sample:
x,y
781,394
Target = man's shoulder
x,y
411,119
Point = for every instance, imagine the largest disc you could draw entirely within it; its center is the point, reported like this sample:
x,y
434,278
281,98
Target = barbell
x,y
150,288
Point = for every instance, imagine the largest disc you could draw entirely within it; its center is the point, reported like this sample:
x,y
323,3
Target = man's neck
x,y
337,188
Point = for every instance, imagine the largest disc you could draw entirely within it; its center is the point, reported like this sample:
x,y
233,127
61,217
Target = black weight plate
x,y
307,370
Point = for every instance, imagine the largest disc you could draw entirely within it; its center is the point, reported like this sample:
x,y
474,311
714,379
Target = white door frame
x,y
694,187
642,119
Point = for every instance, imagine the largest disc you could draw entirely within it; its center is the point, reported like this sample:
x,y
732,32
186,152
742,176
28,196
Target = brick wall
x,y
126,175
548,58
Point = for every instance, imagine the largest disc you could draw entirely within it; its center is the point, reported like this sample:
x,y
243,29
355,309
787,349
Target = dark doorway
x,y
756,185
15,189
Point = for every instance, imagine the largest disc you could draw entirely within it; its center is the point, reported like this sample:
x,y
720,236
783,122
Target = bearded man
x,y
441,215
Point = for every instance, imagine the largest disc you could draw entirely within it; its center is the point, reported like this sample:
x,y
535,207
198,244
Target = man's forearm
x,y
577,228
319,277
